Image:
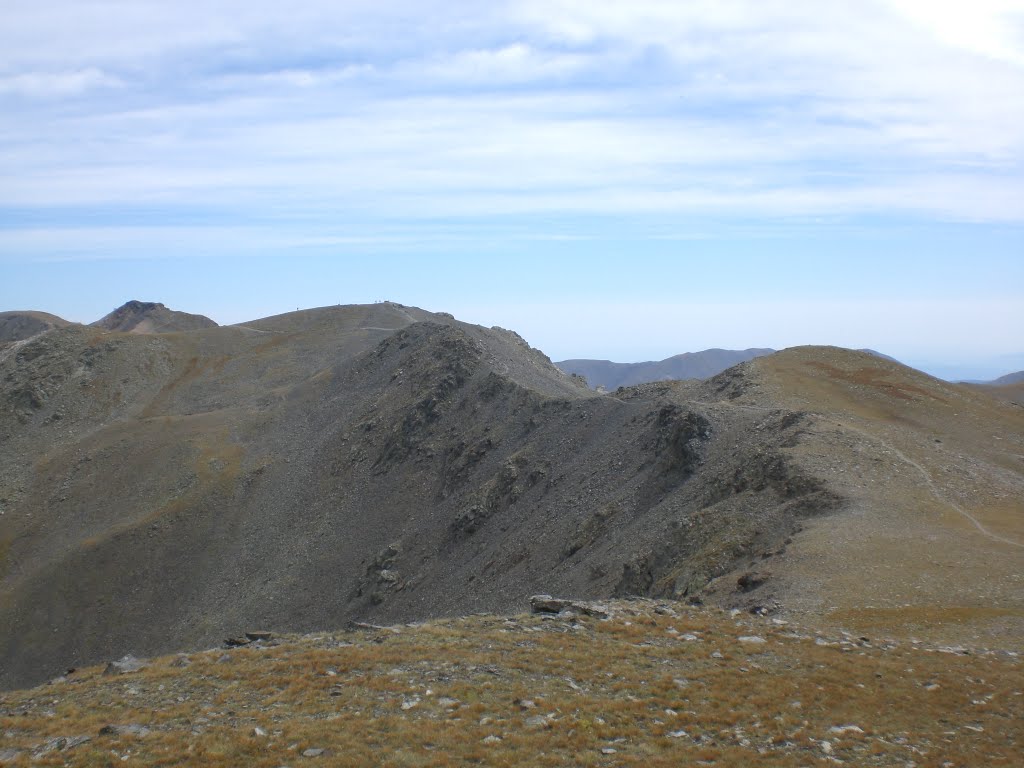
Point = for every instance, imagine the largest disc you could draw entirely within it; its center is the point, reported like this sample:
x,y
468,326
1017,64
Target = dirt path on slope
x,y
934,489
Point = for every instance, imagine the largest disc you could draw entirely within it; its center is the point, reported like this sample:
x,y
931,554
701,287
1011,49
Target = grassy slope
x,y
917,458
641,688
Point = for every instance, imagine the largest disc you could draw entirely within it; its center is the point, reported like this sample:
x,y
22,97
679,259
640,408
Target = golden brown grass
x,y
544,692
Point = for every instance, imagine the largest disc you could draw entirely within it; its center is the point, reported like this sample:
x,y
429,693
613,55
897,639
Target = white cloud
x,y
442,109
56,84
993,28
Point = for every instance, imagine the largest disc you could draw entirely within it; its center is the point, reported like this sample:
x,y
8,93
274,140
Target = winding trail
x,y
934,489
253,330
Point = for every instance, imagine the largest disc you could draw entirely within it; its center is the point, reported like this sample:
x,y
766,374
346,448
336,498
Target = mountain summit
x,y
151,317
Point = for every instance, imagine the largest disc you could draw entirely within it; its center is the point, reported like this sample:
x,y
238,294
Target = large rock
x,y
124,665
554,605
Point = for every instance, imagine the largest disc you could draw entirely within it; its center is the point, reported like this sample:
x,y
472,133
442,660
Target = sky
x,y
620,181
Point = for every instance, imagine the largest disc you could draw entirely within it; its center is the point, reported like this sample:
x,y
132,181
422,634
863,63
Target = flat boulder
x,y
124,665
546,604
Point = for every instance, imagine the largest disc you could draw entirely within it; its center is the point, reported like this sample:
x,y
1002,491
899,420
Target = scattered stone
x,y
56,744
132,729
181,660
843,729
546,604
409,704
9,755
237,642
826,747
124,665
717,655
677,734
255,636
315,752
690,637
525,703
608,751
257,731
445,703
375,627
491,739
538,721
752,639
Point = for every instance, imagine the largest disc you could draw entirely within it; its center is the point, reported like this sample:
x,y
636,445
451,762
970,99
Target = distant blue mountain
x,y
689,365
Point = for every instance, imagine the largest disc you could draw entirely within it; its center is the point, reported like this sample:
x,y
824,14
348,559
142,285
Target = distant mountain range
x,y
1010,378
689,365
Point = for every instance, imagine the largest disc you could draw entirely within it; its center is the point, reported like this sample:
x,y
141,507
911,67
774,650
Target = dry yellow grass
x,y
658,684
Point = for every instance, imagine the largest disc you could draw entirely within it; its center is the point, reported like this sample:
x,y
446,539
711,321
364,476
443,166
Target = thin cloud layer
x,y
446,110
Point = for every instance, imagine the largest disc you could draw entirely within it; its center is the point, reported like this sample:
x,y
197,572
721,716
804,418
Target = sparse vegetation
x,y
657,684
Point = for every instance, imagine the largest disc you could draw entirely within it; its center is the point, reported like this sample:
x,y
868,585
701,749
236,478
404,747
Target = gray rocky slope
x,y
377,462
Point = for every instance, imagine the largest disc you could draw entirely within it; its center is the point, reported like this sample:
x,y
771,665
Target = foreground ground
x,y
653,684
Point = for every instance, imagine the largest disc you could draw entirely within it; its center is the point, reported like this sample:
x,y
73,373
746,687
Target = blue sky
x,y
623,182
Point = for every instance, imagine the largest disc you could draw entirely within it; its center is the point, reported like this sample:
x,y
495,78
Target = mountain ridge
x,y
382,463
